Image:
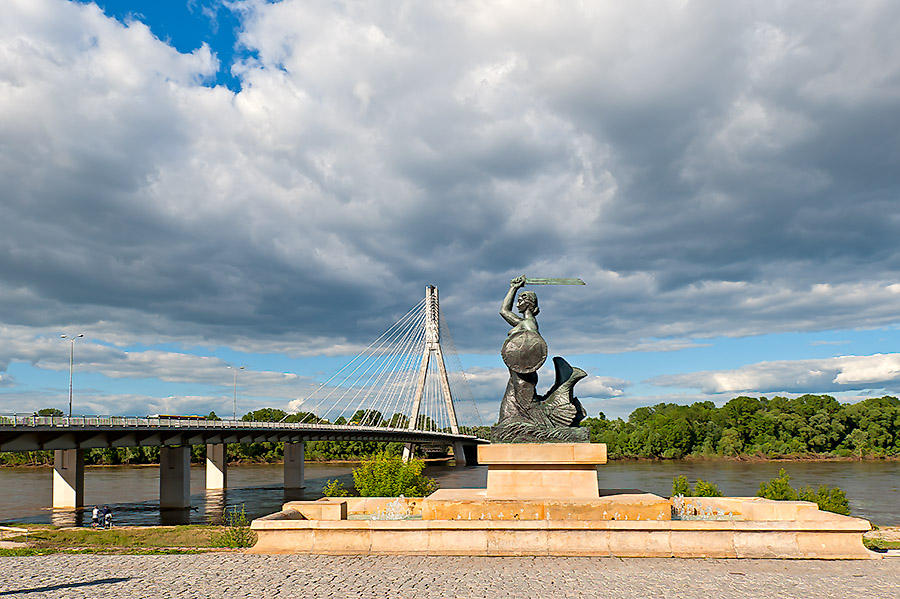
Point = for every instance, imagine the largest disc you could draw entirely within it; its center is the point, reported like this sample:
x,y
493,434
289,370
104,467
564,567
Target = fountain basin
x,y
828,537
540,501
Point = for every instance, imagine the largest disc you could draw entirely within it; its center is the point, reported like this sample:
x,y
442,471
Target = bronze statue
x,y
525,416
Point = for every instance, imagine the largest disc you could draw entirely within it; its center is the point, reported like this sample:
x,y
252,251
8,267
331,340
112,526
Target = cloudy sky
x,y
202,183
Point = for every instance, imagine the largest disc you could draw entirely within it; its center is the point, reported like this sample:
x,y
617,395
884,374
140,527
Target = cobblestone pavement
x,y
401,577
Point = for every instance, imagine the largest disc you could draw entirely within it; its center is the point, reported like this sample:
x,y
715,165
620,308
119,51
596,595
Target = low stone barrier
x,y
794,531
715,539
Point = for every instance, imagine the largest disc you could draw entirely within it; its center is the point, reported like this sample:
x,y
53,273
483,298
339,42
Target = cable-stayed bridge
x,y
397,389
400,380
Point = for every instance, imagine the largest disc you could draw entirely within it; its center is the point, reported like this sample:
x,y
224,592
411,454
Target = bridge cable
x,y
364,379
389,331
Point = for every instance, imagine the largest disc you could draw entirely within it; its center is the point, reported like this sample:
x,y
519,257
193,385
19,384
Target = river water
x,y
132,491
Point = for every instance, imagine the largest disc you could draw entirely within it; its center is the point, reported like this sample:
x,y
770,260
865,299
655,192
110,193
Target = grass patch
x,y
192,537
880,544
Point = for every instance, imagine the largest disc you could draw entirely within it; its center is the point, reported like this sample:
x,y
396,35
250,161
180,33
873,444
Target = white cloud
x,y
49,352
840,373
709,170
601,387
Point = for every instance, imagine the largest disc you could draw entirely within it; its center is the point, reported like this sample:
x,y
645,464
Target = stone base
x,y
838,538
473,504
542,470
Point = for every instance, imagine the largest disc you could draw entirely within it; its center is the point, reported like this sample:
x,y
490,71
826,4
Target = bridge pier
x,y
68,478
409,451
460,455
470,450
216,466
175,476
294,454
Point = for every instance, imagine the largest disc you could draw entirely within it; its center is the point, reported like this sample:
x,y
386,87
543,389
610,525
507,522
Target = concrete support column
x,y
175,476
216,465
409,450
471,453
459,454
68,478
294,453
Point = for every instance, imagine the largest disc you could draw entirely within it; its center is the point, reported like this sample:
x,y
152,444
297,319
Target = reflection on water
x,y
214,505
66,518
132,492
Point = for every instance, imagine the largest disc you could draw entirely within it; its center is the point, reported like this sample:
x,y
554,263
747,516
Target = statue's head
x,y
528,299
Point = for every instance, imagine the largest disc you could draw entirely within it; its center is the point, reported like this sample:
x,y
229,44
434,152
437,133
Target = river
x,y
132,491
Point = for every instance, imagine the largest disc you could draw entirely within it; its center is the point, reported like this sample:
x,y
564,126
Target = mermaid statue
x,y
525,416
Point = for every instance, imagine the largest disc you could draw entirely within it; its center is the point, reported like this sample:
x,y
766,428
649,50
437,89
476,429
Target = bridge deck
x,y
32,433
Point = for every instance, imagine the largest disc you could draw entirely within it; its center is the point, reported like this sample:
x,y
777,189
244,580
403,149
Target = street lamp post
x,y
234,392
71,339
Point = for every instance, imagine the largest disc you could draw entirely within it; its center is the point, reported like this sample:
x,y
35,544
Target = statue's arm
x,y
506,308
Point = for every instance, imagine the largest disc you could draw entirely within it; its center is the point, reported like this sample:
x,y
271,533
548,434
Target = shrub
x,y
681,486
829,499
237,531
703,488
779,488
335,488
706,489
390,476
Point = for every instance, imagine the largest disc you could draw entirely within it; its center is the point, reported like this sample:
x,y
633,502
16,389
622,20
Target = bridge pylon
x,y
432,351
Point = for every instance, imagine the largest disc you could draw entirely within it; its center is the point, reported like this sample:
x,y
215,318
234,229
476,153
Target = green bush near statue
x,y
385,475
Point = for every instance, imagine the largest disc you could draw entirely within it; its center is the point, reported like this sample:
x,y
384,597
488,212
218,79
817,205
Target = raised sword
x,y
538,281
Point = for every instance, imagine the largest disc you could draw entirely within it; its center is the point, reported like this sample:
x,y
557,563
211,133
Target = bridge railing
x,y
30,420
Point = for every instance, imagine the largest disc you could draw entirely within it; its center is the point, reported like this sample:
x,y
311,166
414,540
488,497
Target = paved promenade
x,y
402,577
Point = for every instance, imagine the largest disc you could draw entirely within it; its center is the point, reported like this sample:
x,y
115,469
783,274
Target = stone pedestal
x,y
542,470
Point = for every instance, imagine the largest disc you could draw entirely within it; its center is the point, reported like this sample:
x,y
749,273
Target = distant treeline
x,y
749,426
745,426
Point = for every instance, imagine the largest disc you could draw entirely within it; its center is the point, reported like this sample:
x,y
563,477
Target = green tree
x,y
367,418
264,415
730,443
778,488
49,412
305,417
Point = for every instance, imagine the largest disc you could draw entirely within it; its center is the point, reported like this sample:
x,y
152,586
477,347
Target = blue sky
x,y
202,183
187,25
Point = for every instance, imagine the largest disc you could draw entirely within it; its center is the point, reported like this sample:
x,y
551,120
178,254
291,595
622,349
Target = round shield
x,y
524,352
